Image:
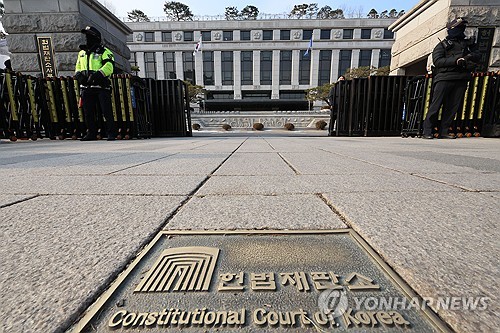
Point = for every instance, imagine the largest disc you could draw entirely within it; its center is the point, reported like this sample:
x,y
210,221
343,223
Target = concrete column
x,y
218,68
160,66
139,58
275,89
256,68
295,67
335,66
237,74
198,67
314,54
179,65
355,58
375,57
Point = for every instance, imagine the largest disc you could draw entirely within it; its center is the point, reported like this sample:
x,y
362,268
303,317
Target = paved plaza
x,y
74,214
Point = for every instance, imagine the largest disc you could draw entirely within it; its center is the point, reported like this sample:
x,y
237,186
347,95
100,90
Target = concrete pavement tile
x,y
474,182
442,244
59,253
256,212
8,199
112,184
255,164
179,164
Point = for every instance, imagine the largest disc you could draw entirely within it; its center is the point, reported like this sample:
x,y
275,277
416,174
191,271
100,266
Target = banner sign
x,y
47,56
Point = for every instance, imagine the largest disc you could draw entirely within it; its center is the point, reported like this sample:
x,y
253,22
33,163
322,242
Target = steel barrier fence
x,y
397,105
33,108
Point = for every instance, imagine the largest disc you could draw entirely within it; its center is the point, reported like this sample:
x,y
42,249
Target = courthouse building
x,y
258,64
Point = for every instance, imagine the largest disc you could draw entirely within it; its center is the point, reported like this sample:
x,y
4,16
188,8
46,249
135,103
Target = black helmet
x,y
91,31
458,22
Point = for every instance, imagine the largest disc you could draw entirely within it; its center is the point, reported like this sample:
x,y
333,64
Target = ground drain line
x,y
133,166
142,247
19,201
342,217
289,164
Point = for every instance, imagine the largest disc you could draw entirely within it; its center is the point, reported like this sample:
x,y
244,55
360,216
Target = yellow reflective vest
x,y
101,59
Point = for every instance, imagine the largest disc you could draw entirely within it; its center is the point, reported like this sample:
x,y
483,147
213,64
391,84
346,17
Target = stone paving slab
x,y
257,145
113,184
448,246
473,182
59,252
384,182
255,164
255,212
325,163
179,164
8,199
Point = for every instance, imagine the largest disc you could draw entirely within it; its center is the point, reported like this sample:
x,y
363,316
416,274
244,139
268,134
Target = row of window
x,y
266,66
245,35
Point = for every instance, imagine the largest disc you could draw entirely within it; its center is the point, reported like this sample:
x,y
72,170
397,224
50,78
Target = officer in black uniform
x,y
454,59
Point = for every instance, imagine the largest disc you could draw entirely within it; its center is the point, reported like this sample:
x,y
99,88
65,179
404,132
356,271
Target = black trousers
x,y
102,98
450,95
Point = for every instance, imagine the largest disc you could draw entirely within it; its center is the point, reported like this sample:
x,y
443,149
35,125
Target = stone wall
x,y
419,31
62,20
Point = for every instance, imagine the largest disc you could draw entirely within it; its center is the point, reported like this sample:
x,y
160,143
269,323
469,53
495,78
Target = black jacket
x,y
446,54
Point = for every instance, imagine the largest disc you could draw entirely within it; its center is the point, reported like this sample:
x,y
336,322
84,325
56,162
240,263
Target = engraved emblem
x,y
337,34
217,36
139,37
378,33
257,35
181,269
297,35
178,36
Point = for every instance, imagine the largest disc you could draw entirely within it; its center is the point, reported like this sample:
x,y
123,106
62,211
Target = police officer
x,y
453,59
94,66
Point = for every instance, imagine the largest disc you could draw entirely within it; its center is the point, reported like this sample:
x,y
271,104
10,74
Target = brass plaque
x,y
259,281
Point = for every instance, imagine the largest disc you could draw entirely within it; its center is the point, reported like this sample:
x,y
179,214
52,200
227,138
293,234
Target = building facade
x,y
421,28
256,63
62,21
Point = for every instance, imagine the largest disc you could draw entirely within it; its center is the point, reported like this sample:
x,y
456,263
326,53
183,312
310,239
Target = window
x,y
385,58
149,36
365,58
206,36
388,34
227,68
150,64
344,61
286,67
188,62
246,67
227,35
258,95
166,36
245,35
348,34
133,59
169,65
304,68
325,34
266,67
284,34
366,33
307,34
301,95
325,64
188,36
267,35
208,68
220,95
